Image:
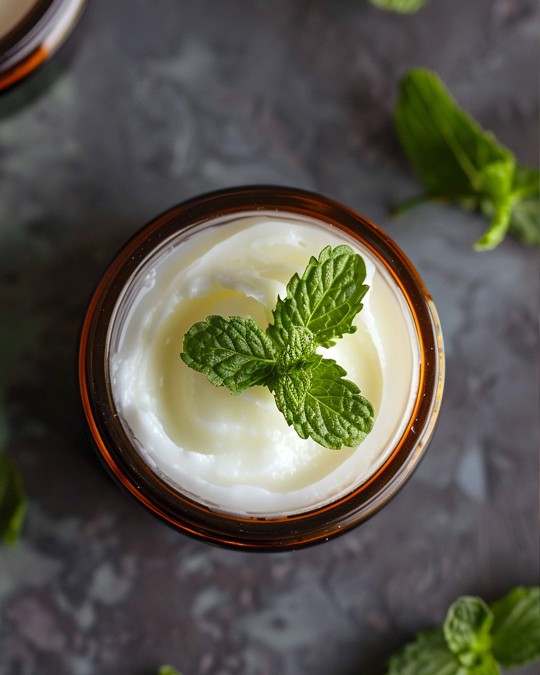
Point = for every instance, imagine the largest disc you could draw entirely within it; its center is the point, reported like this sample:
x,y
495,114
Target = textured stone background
x,y
153,102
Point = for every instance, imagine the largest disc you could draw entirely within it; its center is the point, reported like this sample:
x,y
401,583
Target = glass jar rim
x,y
30,26
256,533
35,37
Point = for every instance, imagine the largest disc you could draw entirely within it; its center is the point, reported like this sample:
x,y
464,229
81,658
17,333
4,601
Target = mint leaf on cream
x,y
318,402
458,161
310,391
324,300
233,352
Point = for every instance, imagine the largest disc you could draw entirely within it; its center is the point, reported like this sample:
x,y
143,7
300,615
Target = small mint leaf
x,y
485,665
234,352
12,501
299,349
525,221
496,185
427,655
516,627
467,630
168,670
324,300
525,217
526,182
318,402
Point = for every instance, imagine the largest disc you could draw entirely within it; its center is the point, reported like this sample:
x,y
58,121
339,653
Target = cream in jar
x,y
236,454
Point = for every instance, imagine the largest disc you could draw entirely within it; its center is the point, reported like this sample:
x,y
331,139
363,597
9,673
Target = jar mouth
x,y
185,511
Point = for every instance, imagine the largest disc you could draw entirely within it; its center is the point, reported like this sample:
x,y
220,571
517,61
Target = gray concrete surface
x,y
150,103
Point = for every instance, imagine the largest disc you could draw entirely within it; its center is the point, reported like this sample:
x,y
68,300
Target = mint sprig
x,y
476,638
310,391
460,162
12,501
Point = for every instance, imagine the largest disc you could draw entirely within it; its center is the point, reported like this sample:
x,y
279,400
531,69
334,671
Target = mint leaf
x,y
525,221
496,184
318,402
486,665
12,501
404,6
168,670
459,161
427,655
525,218
516,627
325,300
300,349
467,630
445,145
234,352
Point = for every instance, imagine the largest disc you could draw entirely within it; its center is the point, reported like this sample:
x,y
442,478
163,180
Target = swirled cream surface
x,y
236,454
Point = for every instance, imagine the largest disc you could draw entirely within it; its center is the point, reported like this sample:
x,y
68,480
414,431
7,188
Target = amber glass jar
x,y
120,443
30,32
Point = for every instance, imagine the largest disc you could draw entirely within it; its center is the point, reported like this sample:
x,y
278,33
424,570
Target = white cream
x,y
12,12
236,453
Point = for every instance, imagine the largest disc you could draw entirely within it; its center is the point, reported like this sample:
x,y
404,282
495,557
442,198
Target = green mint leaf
x,y
516,627
525,221
12,501
486,665
168,670
300,349
496,184
234,352
445,145
427,655
467,630
459,161
526,182
403,6
324,300
318,402
525,218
